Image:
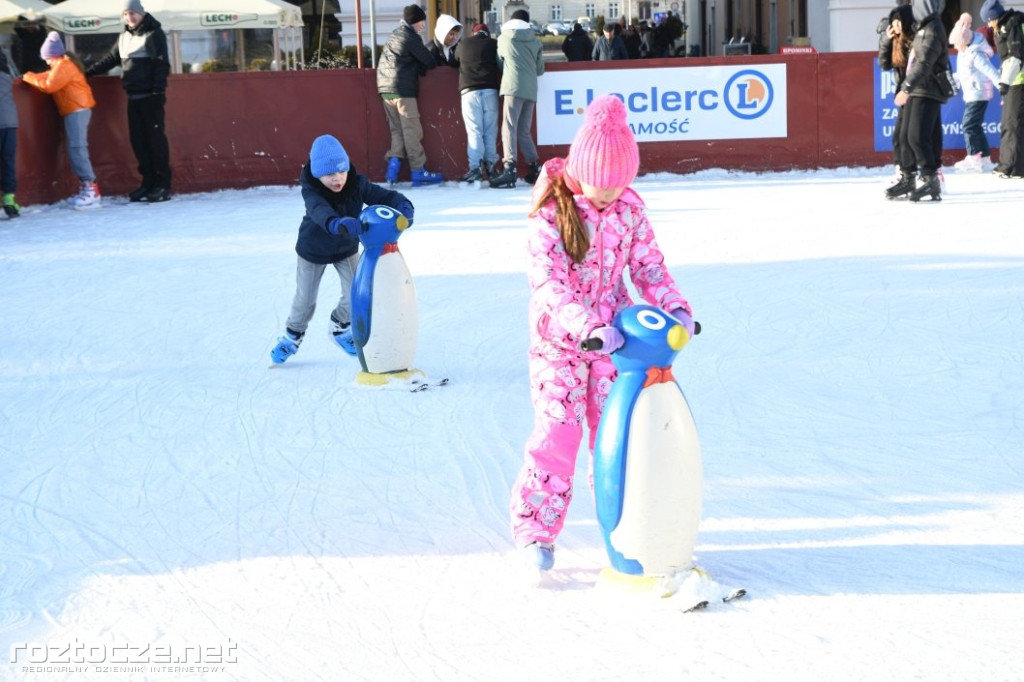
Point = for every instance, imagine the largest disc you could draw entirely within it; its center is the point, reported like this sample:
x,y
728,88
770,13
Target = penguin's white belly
x,y
393,318
662,488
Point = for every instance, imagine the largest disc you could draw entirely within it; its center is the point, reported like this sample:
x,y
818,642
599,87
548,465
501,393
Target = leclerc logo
x,y
224,18
80,24
748,94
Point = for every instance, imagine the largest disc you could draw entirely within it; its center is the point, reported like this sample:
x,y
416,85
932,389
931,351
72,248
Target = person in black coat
x,y
1009,31
923,96
141,52
479,78
631,37
334,195
403,59
895,36
577,46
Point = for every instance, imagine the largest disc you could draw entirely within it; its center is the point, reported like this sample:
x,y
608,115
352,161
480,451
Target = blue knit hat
x,y
991,10
327,156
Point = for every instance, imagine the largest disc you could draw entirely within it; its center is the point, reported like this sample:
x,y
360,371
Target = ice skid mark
x,y
19,575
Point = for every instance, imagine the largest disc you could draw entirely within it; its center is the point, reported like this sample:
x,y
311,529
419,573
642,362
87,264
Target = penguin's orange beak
x,y
402,223
678,337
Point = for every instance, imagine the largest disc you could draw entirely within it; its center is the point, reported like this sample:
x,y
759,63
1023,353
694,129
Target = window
x,y
556,12
613,10
590,10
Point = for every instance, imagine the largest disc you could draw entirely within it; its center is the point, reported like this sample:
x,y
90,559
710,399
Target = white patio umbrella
x,y
85,17
10,10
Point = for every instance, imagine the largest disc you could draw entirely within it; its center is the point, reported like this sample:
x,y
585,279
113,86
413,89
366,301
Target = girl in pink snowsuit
x,y
586,227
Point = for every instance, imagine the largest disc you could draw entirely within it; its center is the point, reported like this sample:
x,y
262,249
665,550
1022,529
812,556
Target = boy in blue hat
x,y
334,195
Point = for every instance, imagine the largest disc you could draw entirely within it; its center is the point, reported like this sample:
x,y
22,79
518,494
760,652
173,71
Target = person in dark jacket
x,y
447,34
610,45
577,46
403,60
8,140
31,36
923,96
631,38
479,78
141,52
334,195
894,41
1009,30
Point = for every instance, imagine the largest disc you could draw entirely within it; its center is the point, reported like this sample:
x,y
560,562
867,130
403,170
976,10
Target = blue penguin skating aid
x,y
647,466
384,306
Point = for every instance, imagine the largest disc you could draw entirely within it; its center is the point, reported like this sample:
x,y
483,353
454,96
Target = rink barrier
x,y
238,130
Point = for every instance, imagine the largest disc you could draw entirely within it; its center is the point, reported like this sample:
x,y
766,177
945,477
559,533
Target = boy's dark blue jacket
x,y
316,244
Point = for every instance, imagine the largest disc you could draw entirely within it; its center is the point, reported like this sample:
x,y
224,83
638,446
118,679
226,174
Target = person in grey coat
x,y
521,59
610,45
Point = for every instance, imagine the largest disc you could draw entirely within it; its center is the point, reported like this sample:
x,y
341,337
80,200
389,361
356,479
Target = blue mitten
x,y
611,339
347,224
685,319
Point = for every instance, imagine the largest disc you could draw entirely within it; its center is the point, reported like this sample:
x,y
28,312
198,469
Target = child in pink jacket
x,y
586,227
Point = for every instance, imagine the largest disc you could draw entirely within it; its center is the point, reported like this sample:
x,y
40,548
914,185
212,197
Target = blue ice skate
x,y
423,177
341,334
394,165
540,555
286,347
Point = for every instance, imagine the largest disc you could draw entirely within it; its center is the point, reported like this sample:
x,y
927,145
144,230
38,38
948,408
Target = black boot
x,y
533,172
905,185
929,187
140,193
472,175
507,179
157,194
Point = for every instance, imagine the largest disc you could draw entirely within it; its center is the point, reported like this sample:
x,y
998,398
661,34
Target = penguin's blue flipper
x,y
362,296
382,225
610,449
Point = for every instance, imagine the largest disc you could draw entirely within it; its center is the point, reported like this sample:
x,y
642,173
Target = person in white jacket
x,y
978,79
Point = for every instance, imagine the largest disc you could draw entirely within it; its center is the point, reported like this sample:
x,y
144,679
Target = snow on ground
x,y
169,503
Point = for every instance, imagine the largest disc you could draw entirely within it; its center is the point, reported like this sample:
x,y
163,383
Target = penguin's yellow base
x,y
663,586
383,379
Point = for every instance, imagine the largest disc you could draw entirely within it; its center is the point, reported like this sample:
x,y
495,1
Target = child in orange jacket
x,y
73,96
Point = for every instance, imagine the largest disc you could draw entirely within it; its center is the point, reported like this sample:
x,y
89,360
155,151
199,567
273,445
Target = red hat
x,y
481,28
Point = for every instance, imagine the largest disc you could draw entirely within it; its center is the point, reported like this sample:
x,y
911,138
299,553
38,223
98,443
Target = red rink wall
x,y
236,130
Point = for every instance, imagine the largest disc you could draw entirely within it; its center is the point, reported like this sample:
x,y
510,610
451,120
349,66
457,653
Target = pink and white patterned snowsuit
x,y
567,304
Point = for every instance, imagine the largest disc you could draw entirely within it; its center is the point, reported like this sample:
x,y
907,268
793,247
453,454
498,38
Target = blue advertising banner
x,y
952,113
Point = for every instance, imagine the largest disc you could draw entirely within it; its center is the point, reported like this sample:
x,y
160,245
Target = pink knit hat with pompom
x,y
961,33
604,153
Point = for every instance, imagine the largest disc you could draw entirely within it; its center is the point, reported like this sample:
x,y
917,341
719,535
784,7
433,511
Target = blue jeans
x,y
974,136
76,128
480,113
